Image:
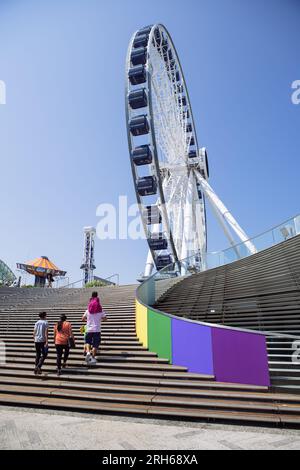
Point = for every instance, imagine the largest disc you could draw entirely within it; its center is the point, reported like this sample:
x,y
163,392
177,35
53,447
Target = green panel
x,y
159,335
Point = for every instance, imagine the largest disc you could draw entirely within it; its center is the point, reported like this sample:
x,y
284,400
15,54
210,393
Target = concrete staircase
x,y
128,379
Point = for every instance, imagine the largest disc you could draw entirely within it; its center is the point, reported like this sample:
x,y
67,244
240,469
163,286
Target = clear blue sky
x,y
62,132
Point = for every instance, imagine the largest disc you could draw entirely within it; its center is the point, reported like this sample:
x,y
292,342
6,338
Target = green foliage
x,y
96,284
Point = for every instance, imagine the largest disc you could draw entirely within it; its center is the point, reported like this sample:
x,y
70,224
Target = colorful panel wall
x,y
229,354
240,357
141,323
192,346
159,334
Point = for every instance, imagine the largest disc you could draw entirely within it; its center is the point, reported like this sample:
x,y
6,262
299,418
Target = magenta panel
x,y
240,357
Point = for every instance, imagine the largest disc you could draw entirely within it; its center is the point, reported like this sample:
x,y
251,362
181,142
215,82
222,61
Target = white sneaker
x,y
88,358
93,360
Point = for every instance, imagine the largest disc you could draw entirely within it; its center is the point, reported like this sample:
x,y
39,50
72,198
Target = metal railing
x,y
276,235
72,284
117,276
81,281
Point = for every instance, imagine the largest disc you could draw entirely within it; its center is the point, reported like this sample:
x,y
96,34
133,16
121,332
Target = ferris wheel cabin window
x,y
142,155
152,215
147,186
138,98
163,261
158,242
141,41
139,125
139,56
137,75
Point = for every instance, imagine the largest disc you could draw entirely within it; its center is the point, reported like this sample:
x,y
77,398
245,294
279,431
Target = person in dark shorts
x,y
40,334
93,334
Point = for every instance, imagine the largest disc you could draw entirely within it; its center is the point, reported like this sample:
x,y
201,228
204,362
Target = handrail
x,y
71,284
280,233
117,275
82,281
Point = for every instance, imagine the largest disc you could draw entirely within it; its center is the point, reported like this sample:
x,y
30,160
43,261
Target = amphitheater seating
x,y
261,292
128,379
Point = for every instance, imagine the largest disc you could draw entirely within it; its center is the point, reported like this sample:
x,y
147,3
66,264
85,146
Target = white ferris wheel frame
x,y
181,180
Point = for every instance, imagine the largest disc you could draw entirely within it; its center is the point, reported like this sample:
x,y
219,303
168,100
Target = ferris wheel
x,y
170,171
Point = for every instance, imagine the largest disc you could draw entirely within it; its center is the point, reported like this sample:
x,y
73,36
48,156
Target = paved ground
x,y
32,429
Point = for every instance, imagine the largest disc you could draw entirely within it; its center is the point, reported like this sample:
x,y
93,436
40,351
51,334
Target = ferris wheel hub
x,y
175,170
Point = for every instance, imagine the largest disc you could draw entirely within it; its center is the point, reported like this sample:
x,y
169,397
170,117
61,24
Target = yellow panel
x,y
141,323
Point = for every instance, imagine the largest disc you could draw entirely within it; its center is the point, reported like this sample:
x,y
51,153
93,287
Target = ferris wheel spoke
x,y
172,112
168,131
176,195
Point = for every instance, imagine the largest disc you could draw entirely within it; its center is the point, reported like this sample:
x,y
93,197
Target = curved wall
x,y
228,354
183,318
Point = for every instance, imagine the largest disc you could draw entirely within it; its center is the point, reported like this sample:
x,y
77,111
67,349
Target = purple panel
x,y
240,357
192,346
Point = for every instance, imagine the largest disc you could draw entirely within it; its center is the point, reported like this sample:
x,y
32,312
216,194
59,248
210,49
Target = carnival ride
x,y
43,269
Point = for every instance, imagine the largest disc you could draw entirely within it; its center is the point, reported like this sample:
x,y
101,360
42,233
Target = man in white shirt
x,y
40,334
93,334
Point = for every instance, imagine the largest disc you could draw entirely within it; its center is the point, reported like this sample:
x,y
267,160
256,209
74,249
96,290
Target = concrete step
x,y
154,410
136,389
152,398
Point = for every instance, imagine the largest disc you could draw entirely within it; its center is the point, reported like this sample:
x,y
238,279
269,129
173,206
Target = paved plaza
x,y
42,429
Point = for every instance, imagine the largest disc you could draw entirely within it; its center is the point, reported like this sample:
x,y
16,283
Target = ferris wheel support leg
x,y
199,228
225,228
187,222
149,265
150,262
224,214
